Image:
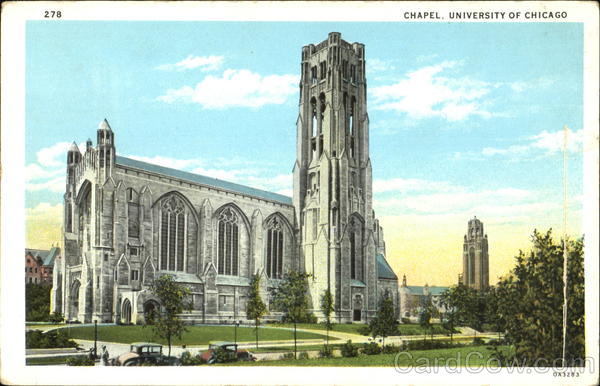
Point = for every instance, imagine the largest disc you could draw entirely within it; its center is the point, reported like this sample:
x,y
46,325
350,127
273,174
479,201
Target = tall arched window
x,y
228,240
172,234
356,259
133,213
471,268
274,248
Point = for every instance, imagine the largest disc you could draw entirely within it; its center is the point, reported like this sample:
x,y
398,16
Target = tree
x,y
464,305
171,296
37,302
255,308
425,321
530,299
384,324
327,308
291,297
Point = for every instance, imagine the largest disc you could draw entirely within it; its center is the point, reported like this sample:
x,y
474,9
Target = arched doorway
x,y
126,313
74,300
357,308
151,309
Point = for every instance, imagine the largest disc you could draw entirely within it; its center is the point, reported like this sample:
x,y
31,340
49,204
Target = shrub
x,y
223,356
326,352
349,350
390,349
477,341
429,344
56,318
81,360
405,321
303,355
188,359
371,348
50,339
288,355
364,330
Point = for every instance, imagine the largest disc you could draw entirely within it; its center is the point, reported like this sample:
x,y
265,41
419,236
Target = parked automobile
x,y
226,352
143,353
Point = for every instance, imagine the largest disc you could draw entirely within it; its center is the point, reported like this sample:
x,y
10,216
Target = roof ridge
x,y
210,181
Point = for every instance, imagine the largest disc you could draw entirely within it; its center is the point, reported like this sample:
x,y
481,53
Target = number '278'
x,y
52,14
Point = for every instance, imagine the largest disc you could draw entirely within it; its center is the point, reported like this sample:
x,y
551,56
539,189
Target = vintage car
x,y
229,353
143,353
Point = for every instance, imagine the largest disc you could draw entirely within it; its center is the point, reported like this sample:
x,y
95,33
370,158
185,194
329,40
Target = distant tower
x,y
475,256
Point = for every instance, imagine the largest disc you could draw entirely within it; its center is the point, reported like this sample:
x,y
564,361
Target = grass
x,y
405,329
310,347
196,335
48,361
461,356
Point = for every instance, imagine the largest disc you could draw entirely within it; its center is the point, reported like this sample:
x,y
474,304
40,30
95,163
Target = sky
x,y
466,119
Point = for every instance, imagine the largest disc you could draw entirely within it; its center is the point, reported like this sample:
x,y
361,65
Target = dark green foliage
x,y
291,297
428,345
390,349
288,355
56,318
371,348
425,320
303,355
188,359
37,302
326,352
349,350
364,330
327,309
406,321
255,308
466,307
224,356
81,360
477,341
528,302
50,339
171,296
384,324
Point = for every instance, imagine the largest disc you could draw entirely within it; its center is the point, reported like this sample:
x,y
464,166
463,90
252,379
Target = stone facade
x,y
127,221
475,256
414,298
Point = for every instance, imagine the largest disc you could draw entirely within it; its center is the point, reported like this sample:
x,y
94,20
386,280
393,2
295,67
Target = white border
x,y
14,16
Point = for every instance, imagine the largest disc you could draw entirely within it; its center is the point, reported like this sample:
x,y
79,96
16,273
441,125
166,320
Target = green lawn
x,y
196,335
311,347
462,356
405,329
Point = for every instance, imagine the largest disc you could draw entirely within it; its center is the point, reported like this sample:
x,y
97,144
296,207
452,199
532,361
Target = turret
x,y
106,150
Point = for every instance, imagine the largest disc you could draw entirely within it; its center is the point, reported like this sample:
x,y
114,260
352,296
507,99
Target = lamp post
x,y
236,324
95,338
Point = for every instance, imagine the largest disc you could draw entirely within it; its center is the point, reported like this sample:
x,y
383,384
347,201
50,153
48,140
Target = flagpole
x,y
565,254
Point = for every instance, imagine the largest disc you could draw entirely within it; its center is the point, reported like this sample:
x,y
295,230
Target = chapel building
x,y
126,222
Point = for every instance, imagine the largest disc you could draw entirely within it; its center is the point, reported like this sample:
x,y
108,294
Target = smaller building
x,y
413,299
39,265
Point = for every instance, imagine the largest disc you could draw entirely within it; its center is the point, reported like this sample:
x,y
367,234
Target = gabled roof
x,y
47,257
419,290
384,271
203,180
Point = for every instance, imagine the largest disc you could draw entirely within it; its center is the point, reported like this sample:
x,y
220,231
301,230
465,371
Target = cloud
x,y
378,65
205,63
235,88
409,184
48,173
425,93
540,83
543,143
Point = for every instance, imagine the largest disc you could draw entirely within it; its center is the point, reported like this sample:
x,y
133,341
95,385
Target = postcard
x,y
234,193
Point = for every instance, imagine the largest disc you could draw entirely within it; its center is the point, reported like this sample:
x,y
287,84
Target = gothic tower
x,y
475,256
332,179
